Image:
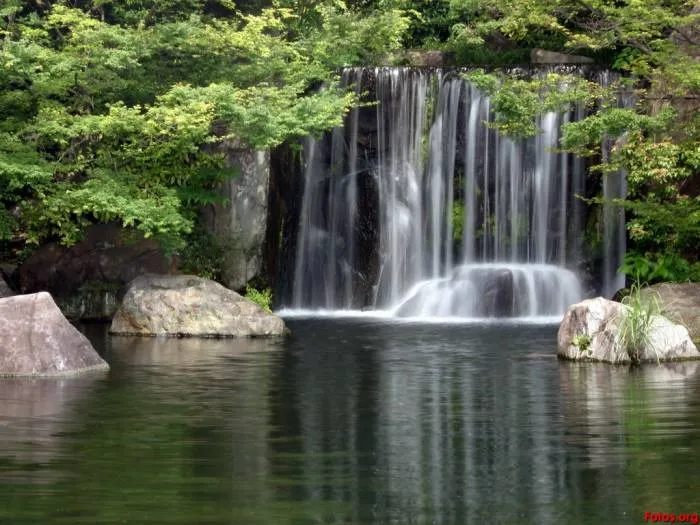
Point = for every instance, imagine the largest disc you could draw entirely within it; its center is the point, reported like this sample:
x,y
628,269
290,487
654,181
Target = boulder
x,y
681,304
10,274
37,340
189,306
590,332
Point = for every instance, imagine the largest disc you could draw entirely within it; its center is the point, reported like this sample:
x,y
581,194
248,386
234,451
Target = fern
x,y
262,298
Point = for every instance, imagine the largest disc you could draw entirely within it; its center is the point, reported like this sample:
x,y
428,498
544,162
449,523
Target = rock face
x,y
542,56
5,290
85,278
185,305
240,223
590,332
681,304
37,340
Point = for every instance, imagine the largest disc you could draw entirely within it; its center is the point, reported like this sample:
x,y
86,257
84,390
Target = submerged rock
x,y
590,331
185,305
494,290
37,340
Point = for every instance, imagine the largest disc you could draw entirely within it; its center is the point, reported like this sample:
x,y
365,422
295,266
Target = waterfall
x,y
614,187
418,208
400,129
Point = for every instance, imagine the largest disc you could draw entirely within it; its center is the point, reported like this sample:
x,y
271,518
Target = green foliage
x,y
582,342
636,322
262,298
635,33
668,226
518,102
457,220
108,109
430,24
201,255
7,225
340,37
657,144
660,267
656,167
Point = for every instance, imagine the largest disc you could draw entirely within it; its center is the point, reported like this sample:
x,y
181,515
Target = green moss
x,y
582,341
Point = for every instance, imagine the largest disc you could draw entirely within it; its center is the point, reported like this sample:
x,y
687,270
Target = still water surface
x,y
351,422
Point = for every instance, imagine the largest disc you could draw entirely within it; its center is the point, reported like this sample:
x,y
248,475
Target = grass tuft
x,y
637,320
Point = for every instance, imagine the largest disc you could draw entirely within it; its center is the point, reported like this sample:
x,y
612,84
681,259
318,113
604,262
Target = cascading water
x,y
614,187
466,223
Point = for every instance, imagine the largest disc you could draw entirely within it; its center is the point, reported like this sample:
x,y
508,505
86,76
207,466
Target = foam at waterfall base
x,y
494,290
476,293
388,316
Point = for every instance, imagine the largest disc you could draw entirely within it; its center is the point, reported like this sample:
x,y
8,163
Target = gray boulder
x,y
37,340
590,332
185,305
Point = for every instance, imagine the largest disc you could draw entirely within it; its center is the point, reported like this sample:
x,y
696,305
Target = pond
x,y
352,421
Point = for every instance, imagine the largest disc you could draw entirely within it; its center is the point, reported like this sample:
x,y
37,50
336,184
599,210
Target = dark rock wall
x,y
88,278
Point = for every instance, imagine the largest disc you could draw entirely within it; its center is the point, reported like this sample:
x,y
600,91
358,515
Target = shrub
x,y
665,267
202,255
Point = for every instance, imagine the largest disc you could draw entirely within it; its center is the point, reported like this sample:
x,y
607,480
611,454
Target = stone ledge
x,y
544,57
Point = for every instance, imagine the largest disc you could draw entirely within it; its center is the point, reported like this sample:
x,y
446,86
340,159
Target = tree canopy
x,y
111,110
108,108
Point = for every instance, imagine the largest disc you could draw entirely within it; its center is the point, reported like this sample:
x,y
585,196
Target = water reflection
x,y
356,422
218,391
607,406
33,412
432,420
180,355
460,425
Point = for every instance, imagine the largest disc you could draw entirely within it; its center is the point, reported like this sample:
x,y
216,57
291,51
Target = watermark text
x,y
670,517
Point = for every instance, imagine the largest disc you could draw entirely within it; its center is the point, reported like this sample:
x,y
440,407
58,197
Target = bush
x,y
202,255
660,267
